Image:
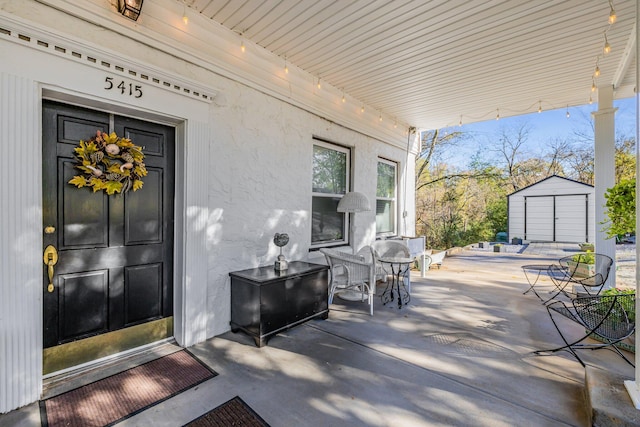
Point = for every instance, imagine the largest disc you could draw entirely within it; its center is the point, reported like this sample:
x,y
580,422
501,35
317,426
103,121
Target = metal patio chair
x,y
350,273
588,270
611,318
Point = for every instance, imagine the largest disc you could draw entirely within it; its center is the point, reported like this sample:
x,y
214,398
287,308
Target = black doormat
x,y
234,412
120,396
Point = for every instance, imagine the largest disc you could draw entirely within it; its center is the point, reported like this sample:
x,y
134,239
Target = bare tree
x,y
511,150
560,152
432,144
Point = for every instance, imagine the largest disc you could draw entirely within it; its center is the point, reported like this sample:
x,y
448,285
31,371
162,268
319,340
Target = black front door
x,y
115,253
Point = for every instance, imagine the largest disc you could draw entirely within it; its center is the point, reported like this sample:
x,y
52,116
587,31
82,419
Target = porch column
x,y
633,387
604,169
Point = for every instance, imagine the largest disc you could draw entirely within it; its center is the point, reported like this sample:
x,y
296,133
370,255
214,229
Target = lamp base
x,y
281,265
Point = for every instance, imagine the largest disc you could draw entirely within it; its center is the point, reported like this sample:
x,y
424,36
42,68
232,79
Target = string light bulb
x,y
568,115
612,14
596,73
497,114
460,123
242,48
590,100
607,47
539,107
593,85
395,123
343,98
319,86
380,118
185,18
286,67
362,108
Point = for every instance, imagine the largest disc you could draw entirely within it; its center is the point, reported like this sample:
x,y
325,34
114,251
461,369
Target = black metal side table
x,y
396,289
532,273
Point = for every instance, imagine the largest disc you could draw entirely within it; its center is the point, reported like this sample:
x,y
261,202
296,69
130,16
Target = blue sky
x,y
544,127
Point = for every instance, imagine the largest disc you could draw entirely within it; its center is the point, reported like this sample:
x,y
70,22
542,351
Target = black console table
x,y
265,301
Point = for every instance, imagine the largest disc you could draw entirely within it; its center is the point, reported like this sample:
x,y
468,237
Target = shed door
x,y
539,219
557,218
571,218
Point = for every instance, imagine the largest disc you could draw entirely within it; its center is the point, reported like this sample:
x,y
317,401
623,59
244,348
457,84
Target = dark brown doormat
x,y
120,396
235,413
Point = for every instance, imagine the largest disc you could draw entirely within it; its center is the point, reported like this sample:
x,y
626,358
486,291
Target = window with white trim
x,y
331,171
386,194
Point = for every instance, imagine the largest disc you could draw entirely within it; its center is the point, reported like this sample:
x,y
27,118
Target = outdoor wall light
x,y
130,8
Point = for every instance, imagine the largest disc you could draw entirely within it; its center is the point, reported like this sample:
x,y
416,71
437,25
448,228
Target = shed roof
x,y
573,181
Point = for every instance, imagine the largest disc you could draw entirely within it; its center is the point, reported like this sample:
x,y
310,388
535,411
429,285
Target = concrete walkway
x,y
460,354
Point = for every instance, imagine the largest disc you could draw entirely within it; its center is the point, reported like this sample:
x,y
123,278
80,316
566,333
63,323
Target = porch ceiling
x,y
433,63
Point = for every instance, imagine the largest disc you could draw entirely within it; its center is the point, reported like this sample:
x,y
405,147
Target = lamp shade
x,y
354,202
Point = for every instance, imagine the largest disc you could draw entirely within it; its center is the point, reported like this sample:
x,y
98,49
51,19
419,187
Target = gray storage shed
x,y
555,209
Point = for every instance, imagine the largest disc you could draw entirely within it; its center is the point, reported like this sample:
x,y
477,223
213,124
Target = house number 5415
x,y
124,87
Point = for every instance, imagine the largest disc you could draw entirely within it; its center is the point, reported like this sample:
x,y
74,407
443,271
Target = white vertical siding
x,y
20,252
193,306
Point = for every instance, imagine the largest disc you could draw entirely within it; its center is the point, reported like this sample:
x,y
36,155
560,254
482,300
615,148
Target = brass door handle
x,y
50,258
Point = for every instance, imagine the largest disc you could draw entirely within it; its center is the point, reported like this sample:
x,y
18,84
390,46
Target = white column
x,y
604,169
633,387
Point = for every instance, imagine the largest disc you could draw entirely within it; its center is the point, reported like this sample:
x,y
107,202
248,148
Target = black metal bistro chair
x,y
609,318
588,270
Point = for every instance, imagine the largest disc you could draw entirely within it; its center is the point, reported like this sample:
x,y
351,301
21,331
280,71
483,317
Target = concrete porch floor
x,y
459,354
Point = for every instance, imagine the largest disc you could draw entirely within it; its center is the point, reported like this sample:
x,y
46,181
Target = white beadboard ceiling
x,y
432,63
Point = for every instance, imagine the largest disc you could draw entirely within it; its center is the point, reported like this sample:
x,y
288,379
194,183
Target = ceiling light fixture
x,y
612,14
130,8
607,47
185,18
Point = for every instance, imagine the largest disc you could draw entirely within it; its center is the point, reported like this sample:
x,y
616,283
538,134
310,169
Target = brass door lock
x,y
50,258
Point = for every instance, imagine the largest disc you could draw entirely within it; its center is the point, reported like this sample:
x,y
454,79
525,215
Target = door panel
x,y
83,218
571,218
143,216
144,293
539,219
83,296
115,264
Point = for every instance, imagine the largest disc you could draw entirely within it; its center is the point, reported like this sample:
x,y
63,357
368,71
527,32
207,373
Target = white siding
x,y
21,252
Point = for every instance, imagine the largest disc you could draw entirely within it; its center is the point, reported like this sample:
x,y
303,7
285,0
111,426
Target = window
x,y
386,198
331,164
